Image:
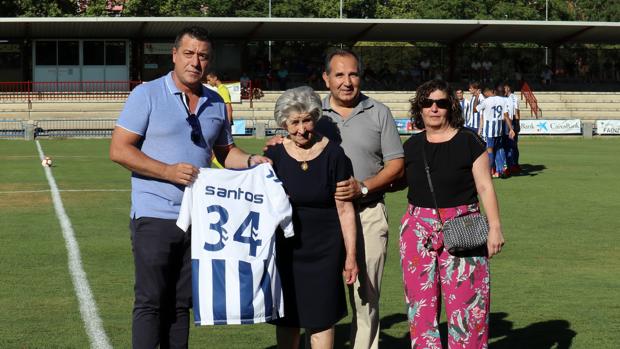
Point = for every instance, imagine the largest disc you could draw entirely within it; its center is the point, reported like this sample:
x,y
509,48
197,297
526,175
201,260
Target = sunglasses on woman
x,y
443,103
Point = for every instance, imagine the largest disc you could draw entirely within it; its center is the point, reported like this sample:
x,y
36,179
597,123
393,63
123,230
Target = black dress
x,y
310,263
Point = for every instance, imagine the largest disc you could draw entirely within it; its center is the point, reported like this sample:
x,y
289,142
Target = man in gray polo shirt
x,y
165,133
367,132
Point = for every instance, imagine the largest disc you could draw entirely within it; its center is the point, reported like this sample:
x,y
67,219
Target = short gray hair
x,y
301,100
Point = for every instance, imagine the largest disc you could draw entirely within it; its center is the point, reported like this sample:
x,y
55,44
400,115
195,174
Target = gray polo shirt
x,y
368,136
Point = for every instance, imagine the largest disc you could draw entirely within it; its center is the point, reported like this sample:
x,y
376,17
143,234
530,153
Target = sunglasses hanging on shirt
x,y
192,120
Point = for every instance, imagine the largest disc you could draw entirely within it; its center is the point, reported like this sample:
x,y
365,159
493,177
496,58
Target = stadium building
x,y
79,49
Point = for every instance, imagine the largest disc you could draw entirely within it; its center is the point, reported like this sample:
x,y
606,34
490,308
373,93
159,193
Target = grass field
x,y
556,285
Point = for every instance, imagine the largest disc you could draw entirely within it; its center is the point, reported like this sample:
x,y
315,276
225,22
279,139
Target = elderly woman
x,y
312,263
459,168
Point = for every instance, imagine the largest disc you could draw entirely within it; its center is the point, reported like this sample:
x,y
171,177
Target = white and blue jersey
x,y
515,103
511,112
234,215
472,118
464,103
492,110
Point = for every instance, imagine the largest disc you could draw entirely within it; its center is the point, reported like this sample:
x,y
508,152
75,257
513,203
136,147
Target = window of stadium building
x,y
68,53
93,53
115,53
104,52
46,53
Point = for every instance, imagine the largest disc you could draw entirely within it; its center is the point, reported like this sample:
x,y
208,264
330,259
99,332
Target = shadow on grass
x,y
539,335
555,334
530,170
342,334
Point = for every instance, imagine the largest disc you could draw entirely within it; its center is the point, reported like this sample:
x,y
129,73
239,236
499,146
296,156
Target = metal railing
x,y
74,128
92,128
530,100
28,91
12,129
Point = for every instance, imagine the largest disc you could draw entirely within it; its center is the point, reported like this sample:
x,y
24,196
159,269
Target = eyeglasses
x,y
443,103
192,120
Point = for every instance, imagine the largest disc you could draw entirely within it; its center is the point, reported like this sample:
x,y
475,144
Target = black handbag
x,y
460,233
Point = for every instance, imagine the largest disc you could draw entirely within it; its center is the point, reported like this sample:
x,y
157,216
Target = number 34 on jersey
x,y
234,216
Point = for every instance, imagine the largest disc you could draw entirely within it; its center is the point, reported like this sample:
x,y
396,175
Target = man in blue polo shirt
x,y
167,130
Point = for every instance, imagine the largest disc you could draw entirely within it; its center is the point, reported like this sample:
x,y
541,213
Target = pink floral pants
x,y
431,275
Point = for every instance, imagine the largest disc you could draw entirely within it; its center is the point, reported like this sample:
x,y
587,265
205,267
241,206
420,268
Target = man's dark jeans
x,y
163,283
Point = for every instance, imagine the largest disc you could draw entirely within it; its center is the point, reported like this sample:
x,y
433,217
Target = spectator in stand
x,y
244,80
425,66
486,69
401,76
385,75
263,74
584,70
313,75
214,81
283,75
415,74
546,75
246,85
370,78
475,70
519,78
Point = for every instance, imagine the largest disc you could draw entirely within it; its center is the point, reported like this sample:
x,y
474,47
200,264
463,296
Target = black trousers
x,y
163,283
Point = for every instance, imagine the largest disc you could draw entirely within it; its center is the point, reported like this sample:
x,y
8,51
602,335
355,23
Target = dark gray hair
x,y
301,99
342,52
195,32
454,115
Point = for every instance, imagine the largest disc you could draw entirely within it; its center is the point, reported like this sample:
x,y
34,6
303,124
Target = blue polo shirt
x,y
156,111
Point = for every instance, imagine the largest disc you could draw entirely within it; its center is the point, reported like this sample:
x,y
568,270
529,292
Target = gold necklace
x,y
304,165
308,152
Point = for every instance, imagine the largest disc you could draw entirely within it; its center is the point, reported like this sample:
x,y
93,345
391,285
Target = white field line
x,y
63,191
88,307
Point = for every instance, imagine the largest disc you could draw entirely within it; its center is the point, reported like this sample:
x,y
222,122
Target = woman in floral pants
x,y
459,169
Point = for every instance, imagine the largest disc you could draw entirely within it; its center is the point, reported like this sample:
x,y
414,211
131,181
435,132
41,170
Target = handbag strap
x,y
430,181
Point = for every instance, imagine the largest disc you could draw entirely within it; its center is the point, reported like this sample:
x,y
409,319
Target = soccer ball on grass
x,y
46,162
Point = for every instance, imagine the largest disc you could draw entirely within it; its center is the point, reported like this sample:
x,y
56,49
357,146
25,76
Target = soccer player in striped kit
x,y
464,103
472,116
512,153
494,111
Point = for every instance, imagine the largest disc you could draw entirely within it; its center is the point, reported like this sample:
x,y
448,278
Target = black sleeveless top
x,y
450,167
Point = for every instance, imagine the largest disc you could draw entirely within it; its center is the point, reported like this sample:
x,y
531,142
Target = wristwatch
x,y
364,189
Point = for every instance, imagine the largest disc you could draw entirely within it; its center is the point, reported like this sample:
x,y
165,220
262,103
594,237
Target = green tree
x,y
96,8
165,8
38,8
8,8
